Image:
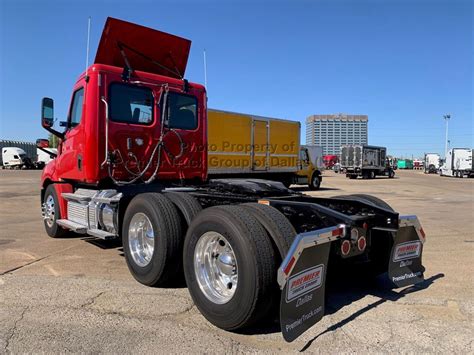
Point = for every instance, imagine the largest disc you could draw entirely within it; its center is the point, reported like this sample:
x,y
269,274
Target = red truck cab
x,y
132,116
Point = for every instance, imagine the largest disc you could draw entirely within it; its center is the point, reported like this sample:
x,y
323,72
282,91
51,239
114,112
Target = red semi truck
x,y
132,164
330,161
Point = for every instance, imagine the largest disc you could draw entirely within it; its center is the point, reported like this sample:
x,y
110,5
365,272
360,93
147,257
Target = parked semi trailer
x,y
405,164
458,163
431,163
365,161
244,145
130,166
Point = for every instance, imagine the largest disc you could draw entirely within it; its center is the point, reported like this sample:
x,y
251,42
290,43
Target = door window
x,y
76,108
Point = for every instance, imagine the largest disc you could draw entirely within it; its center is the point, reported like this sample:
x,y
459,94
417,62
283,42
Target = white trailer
x,y
431,163
458,163
43,157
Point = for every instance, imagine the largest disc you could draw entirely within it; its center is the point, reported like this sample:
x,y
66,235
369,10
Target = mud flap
x,y
405,267
302,278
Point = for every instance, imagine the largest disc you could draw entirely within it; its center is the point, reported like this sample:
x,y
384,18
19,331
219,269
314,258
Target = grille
x,y
77,212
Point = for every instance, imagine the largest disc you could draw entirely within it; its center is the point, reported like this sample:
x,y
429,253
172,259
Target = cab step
x,y
81,229
75,227
101,234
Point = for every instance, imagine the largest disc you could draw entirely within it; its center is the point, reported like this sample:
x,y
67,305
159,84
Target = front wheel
x,y
315,182
230,267
51,213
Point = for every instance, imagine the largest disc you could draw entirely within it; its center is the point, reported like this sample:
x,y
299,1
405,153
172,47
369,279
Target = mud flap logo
x,y
407,251
304,282
302,299
405,266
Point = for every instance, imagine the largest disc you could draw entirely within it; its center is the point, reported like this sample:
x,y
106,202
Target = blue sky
x,y
403,63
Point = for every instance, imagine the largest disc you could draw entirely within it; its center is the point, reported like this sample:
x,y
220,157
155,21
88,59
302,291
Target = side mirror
x,y
42,143
47,112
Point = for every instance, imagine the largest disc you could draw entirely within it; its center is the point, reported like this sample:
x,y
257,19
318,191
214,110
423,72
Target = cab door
x,y
70,161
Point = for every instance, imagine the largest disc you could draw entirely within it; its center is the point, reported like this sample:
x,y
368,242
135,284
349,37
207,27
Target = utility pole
x,y
446,118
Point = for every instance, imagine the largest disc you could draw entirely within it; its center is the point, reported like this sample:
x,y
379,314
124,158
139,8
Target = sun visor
x,y
145,49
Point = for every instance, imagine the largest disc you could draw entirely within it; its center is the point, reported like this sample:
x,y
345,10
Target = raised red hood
x,y
170,51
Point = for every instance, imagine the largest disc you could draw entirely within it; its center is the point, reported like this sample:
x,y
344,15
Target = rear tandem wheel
x,y
230,267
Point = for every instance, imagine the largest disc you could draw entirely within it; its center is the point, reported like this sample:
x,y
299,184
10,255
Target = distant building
x,y
332,131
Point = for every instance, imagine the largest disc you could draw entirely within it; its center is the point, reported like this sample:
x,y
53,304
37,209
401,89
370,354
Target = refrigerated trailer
x,y
405,164
132,163
458,163
365,161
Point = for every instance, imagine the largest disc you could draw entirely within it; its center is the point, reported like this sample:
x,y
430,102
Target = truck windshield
x,y
131,104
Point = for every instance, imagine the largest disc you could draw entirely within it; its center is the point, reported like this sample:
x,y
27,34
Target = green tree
x,y
53,141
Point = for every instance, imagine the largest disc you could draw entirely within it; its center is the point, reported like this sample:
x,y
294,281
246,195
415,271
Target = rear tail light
x,y
345,247
361,243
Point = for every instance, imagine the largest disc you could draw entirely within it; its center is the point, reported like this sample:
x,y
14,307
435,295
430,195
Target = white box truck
x,y
365,161
458,163
431,163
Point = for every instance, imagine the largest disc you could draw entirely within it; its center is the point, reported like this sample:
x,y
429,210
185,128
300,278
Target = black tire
x,y
276,224
188,208
166,258
315,182
372,199
256,267
187,205
53,230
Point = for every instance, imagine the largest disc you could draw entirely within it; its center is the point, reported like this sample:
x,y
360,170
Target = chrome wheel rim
x,y
141,239
49,213
215,266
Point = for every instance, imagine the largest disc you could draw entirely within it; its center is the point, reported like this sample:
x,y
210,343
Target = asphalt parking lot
x,y
76,294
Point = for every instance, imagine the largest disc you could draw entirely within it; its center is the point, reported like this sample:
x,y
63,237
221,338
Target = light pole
x,y
446,118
